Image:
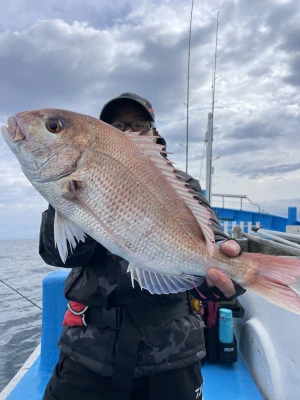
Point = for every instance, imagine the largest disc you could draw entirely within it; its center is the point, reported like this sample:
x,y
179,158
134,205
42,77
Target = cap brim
x,y
110,107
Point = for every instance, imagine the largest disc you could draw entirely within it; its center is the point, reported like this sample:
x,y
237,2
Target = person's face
x,y
129,114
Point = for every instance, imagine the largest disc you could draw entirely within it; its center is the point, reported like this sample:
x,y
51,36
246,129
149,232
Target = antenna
x,y
188,94
210,123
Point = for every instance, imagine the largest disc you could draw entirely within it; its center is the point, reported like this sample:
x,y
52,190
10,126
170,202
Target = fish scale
x,y
121,190
127,194
119,219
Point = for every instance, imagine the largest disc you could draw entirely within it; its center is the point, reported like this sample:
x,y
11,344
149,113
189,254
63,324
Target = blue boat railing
x,y
55,305
229,218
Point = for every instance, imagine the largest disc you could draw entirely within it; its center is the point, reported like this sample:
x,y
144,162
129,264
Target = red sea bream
x,y
119,189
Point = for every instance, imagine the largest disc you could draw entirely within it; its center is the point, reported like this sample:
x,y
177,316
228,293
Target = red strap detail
x,y
76,306
198,291
71,319
212,314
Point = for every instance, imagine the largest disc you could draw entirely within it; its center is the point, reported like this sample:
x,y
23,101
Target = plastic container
x,y
225,326
228,352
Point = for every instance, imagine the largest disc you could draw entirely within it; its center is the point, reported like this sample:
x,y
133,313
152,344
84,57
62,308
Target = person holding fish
x,y
139,237
121,342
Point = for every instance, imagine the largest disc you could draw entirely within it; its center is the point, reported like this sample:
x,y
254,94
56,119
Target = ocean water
x,y
22,268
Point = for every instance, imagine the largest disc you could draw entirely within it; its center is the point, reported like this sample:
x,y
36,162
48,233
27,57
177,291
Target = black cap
x,y
126,99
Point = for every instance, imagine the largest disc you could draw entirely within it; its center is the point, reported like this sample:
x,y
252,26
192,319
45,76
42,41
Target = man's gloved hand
x,y
216,278
217,286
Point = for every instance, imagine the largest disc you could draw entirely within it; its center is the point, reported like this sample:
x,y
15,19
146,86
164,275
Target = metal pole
x,y
210,124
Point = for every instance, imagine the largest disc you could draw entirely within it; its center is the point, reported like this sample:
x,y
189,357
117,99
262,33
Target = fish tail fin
x,y
277,280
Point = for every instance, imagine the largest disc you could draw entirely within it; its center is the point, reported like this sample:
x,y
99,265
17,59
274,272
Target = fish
x,y
121,189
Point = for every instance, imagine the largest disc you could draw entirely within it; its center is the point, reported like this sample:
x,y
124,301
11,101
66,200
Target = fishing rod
x,y
188,94
16,291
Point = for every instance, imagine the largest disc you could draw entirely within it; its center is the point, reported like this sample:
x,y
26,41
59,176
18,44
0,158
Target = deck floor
x,y
229,382
221,381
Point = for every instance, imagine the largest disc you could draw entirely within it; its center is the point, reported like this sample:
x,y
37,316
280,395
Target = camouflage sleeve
x,y
48,251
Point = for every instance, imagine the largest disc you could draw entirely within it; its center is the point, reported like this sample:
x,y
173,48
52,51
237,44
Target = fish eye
x,y
54,125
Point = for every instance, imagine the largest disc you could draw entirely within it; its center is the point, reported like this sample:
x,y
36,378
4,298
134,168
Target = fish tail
x,y
277,280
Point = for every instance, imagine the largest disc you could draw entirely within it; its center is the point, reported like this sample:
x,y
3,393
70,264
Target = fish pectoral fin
x,y
157,283
66,232
71,188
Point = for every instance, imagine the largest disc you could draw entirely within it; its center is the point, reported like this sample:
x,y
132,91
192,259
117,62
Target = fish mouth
x,y
12,131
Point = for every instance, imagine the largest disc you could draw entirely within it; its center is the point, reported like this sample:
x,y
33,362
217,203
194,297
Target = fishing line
x,y
26,298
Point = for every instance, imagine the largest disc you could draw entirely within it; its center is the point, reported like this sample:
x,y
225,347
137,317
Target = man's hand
x,y
216,278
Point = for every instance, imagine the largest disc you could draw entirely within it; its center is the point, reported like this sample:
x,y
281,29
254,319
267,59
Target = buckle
x,y
78,313
112,318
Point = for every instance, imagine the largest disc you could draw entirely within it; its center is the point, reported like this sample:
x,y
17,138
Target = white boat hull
x,y
268,339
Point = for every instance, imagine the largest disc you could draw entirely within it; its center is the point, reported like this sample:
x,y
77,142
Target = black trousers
x,y
72,381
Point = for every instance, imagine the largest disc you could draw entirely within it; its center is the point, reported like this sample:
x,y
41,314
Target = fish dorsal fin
x,y
157,283
66,232
156,154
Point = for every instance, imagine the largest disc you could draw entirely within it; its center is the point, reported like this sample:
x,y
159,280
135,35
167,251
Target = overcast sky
x,y
76,55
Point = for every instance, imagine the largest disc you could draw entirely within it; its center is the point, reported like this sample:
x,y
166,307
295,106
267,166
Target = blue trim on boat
x,y
267,221
54,308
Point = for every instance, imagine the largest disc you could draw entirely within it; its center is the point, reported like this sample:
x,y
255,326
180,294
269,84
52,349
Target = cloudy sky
x,y
78,54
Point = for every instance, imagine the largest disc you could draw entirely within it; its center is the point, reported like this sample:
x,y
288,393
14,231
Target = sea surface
x,y
23,270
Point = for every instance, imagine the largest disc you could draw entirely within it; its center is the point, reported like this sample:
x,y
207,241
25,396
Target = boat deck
x,y
229,382
221,381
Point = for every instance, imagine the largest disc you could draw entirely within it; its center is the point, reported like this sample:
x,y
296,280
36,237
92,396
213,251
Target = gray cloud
x,y
281,205
104,13
275,170
293,78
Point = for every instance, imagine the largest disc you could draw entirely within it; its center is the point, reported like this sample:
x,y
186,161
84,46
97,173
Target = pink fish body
x,y
120,190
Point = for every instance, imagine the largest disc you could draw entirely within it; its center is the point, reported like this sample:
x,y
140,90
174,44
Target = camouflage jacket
x,y
98,279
